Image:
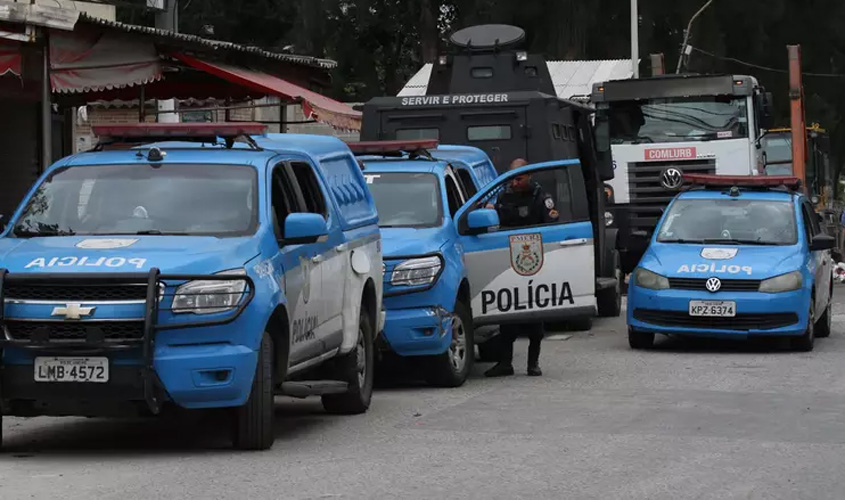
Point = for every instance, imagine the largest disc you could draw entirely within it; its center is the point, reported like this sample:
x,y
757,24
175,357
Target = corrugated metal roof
x,y
572,79
183,38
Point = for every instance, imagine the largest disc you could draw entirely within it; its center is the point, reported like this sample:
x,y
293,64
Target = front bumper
x,y
162,364
424,331
758,314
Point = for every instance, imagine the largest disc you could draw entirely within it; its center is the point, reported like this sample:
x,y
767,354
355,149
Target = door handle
x,y
317,259
342,247
573,243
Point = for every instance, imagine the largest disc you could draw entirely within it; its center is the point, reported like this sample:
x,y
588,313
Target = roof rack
x,y
413,148
129,134
744,181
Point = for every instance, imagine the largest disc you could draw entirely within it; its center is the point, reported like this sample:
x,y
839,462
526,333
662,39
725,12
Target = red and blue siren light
x,y
744,181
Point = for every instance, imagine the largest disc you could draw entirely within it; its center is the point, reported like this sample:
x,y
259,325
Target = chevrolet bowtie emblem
x,y
73,311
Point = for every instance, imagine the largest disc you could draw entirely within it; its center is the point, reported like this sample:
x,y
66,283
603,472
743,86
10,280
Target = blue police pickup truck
x,y
135,278
451,271
735,257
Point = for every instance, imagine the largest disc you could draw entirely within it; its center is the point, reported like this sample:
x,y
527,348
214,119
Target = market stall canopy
x,y
315,106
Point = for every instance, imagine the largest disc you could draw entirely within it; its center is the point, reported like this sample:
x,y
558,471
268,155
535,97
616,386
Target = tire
x,y
584,324
610,300
253,422
824,326
640,340
806,342
452,368
357,369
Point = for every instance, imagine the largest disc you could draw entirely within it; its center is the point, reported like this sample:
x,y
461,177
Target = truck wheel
x,y
356,369
253,422
610,300
584,324
806,342
640,340
824,326
452,368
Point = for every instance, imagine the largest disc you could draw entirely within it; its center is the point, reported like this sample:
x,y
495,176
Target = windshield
x,y
738,222
778,151
217,200
678,120
406,200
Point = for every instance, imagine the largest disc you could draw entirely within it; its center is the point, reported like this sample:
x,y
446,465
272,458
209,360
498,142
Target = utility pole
x,y
684,55
166,19
635,38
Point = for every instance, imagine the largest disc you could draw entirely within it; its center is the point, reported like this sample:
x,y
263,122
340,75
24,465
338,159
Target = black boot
x,y
504,367
534,357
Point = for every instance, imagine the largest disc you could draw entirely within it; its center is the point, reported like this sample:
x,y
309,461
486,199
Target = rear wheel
x,y
356,369
253,422
452,368
640,340
806,342
825,324
610,300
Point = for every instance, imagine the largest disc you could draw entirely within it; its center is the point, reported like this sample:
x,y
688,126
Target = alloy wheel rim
x,y
458,347
361,359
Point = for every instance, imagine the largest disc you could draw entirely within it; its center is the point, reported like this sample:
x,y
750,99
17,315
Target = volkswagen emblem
x,y
672,178
713,285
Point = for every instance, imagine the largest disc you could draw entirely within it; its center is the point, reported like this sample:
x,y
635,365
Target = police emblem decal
x,y
550,204
526,253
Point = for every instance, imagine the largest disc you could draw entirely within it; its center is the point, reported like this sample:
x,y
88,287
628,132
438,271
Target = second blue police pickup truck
x,y
735,257
450,270
200,277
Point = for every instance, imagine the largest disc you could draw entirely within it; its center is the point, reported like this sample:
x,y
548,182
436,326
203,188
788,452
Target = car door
x,y
533,273
330,260
819,259
301,278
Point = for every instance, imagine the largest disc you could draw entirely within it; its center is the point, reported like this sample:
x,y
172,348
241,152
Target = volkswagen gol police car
x,y
735,257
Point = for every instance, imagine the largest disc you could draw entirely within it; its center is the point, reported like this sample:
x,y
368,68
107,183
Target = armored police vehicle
x,y
656,129
735,257
198,277
488,93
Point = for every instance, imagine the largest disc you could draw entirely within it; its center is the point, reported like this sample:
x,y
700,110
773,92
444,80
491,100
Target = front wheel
x,y
452,368
356,369
806,342
253,422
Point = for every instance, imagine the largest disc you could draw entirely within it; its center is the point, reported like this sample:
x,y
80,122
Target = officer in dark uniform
x,y
523,203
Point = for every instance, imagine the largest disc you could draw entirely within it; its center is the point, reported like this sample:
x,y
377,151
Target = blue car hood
x,y
705,261
409,242
84,254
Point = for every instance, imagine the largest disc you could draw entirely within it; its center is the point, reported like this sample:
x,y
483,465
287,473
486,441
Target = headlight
x,y
782,283
209,296
416,272
647,279
608,219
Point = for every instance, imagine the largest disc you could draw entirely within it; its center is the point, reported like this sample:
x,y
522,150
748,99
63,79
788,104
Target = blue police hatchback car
x,y
734,258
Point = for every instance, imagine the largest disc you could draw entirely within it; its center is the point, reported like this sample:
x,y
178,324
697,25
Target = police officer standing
x,y
523,203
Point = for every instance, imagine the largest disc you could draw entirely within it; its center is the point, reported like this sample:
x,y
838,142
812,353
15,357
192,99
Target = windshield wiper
x,y
30,233
152,232
683,241
732,241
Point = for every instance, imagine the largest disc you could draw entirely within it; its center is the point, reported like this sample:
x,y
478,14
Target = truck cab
x,y
137,278
654,130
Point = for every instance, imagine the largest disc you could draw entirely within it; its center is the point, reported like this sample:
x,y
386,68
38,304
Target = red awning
x,y
315,106
10,57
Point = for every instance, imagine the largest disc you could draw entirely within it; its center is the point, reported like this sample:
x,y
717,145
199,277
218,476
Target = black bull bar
x,y
156,290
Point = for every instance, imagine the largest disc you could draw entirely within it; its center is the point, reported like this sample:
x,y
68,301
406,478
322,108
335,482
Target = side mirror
x,y
822,242
602,134
481,220
303,228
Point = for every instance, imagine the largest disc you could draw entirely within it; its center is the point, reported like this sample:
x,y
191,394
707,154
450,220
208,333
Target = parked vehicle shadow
x,y
753,345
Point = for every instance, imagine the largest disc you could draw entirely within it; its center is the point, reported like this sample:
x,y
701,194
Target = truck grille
x,y
45,291
648,197
75,331
740,322
727,285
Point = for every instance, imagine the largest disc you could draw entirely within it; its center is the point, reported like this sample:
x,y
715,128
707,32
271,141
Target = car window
x,y
406,199
453,195
309,186
466,179
183,199
733,221
283,197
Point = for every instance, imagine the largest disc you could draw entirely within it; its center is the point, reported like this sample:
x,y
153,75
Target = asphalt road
x,y
690,420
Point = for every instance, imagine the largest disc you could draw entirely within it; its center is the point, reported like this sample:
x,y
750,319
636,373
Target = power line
x,y
765,68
